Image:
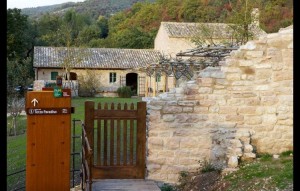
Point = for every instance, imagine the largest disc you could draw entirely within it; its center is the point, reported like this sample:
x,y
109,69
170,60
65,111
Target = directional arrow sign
x,y
34,101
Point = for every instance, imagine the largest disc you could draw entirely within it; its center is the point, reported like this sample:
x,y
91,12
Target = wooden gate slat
x,y
105,138
118,138
125,138
99,138
131,137
112,134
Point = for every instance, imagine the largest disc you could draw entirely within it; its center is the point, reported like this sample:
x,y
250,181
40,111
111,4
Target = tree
x,y
17,74
17,34
88,83
242,19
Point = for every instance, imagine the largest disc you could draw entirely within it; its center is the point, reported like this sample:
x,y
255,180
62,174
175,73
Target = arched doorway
x,y
131,81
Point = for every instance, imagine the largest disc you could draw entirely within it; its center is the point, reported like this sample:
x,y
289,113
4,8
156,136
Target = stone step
x,y
124,185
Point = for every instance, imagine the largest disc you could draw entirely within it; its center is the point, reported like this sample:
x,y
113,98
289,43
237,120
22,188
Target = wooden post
x,y
89,124
141,138
89,110
48,141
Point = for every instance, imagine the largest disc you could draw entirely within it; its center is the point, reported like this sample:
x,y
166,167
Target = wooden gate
x,y
117,137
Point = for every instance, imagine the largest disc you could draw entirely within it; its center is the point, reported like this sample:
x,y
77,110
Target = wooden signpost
x,y
48,141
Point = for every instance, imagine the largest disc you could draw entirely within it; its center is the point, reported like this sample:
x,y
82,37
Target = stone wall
x,y
226,114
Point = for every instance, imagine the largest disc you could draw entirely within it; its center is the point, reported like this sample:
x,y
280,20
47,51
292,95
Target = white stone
x,y
233,162
248,46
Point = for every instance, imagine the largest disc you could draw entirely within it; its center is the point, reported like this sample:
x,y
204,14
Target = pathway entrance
x,y
125,185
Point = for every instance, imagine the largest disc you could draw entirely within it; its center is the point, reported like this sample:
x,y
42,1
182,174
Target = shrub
x,y
167,187
124,92
206,166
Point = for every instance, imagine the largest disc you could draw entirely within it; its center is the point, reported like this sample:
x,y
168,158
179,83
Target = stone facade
x,y
106,88
225,114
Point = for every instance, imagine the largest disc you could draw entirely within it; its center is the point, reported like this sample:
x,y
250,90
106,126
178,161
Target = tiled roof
x,y
188,30
52,57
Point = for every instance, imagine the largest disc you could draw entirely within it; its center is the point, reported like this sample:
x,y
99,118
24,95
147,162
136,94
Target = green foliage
x,y
134,23
167,187
264,156
20,35
207,166
264,173
286,154
50,85
124,92
18,74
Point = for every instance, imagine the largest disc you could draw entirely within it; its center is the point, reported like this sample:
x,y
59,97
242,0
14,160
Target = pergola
x,y
186,63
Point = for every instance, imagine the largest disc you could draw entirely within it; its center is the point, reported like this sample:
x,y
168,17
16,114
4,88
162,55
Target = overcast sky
x,y
20,4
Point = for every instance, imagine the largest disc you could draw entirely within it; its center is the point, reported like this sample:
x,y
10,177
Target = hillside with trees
x,y
87,25
93,7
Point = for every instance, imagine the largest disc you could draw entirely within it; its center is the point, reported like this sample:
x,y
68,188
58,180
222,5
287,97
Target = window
x,y
53,75
112,77
158,79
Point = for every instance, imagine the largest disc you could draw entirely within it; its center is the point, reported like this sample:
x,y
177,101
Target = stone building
x,y
174,37
113,67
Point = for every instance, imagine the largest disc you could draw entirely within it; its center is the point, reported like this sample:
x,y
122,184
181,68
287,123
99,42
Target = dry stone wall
x,y
226,114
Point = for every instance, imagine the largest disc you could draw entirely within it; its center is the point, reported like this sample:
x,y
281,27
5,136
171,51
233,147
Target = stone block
x,y
191,92
250,45
235,143
254,54
263,65
171,109
252,101
269,100
187,143
154,142
207,102
187,103
152,107
172,143
262,88
153,167
168,118
200,109
231,70
263,74
187,109
250,110
179,90
205,90
207,81
269,119
232,162
228,110
248,148
233,76
282,75
157,103
236,101
253,120
236,118
248,156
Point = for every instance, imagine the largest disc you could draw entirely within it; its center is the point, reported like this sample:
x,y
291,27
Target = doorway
x,y
131,81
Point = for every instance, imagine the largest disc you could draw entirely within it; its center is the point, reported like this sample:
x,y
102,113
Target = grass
x,y
264,173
